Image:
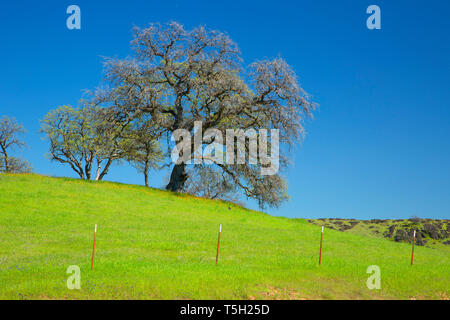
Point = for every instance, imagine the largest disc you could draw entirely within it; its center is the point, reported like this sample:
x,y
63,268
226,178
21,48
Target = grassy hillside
x,y
430,232
153,244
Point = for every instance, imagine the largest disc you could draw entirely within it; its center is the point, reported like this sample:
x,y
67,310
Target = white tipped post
x,y
218,244
93,249
413,242
320,251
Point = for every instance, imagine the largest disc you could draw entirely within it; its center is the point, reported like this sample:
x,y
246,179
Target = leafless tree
x,y
179,76
10,132
144,152
207,182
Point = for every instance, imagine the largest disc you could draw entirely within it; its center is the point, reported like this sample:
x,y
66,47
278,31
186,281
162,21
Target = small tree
x,y
82,137
10,132
144,152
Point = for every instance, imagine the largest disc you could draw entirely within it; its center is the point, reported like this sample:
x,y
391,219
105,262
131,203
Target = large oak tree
x,y
179,76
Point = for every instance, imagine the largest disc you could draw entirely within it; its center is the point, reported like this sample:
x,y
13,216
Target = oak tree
x,y
84,138
144,151
10,139
178,76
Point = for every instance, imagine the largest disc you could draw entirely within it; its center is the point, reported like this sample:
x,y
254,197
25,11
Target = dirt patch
x,y
444,296
273,293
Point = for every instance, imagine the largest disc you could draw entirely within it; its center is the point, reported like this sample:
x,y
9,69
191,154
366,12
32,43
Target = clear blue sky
x,y
378,147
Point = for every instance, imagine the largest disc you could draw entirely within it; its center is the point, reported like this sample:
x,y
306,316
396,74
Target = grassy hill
x,y
153,244
430,232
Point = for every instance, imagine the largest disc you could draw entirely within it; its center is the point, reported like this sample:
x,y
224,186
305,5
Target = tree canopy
x,y
178,76
83,138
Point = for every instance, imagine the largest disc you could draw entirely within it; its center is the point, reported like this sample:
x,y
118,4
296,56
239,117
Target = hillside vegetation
x,y
153,244
431,233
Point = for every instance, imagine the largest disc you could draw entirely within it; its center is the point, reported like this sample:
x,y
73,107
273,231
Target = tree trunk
x,y
146,173
6,163
105,170
88,167
177,178
99,167
77,169
5,155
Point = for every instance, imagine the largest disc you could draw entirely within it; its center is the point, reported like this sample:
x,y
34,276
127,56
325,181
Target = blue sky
x,y
379,145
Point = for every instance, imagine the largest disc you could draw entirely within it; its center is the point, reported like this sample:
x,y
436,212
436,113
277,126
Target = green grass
x,y
152,244
380,229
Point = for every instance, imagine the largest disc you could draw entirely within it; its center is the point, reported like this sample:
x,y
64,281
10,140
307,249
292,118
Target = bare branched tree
x,y
144,152
207,182
84,138
10,132
179,76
